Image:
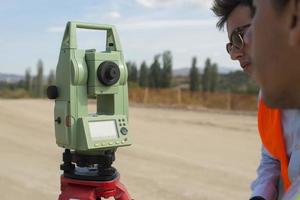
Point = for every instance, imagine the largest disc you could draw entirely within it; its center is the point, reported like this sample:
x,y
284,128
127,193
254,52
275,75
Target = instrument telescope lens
x,y
108,73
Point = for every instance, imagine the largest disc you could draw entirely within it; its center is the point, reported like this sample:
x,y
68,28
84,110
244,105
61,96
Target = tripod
x,y
90,177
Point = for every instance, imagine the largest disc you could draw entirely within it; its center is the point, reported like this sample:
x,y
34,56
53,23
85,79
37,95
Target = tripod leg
x,y
122,193
73,191
77,193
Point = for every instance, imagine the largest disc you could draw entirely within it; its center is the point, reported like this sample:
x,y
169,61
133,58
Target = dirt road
x,y
177,154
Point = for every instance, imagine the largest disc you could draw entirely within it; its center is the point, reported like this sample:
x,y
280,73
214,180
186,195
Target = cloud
x,y
113,15
151,24
201,3
56,29
99,15
156,3
164,24
174,3
103,11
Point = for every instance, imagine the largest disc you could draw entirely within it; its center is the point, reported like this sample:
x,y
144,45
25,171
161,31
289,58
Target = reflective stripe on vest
x,y
271,133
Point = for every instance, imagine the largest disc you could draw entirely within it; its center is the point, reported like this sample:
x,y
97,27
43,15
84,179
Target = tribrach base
x,y
73,189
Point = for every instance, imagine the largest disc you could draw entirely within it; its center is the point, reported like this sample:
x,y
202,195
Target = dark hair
x,y
280,4
223,9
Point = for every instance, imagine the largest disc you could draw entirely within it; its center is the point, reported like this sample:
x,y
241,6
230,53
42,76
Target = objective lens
x,y
108,73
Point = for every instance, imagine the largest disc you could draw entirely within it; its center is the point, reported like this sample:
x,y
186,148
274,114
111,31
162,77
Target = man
x,y
276,51
276,41
278,145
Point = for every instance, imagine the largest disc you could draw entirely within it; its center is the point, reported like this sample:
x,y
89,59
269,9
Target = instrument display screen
x,y
103,129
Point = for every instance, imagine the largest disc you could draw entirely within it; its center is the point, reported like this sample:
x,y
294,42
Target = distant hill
x,y
181,72
186,71
10,78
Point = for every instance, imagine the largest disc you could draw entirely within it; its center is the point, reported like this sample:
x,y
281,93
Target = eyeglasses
x,y
237,38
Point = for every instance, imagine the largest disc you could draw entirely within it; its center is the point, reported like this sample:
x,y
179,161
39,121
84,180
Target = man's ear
x,y
295,24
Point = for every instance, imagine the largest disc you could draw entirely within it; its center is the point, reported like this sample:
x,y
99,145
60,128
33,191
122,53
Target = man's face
x,y
275,60
240,17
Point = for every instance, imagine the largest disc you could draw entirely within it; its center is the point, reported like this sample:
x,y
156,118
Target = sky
x,y
33,30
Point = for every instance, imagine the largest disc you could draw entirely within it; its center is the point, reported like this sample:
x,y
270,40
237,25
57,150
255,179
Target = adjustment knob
x,y
124,131
52,92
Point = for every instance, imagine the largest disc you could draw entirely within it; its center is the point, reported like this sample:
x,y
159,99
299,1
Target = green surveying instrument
x,y
90,140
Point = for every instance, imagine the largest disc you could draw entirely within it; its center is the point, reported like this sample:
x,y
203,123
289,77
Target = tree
x,y
194,76
166,75
155,73
128,65
40,79
143,77
206,75
34,89
213,78
210,76
132,72
237,82
28,81
51,78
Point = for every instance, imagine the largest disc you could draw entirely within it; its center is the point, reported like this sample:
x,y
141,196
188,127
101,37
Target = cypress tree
x,y
166,76
194,76
213,78
40,79
51,78
132,71
155,73
28,82
143,77
206,75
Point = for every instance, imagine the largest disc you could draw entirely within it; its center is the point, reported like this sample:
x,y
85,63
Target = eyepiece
x,y
52,92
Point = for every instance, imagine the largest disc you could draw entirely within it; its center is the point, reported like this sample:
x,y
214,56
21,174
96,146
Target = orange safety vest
x,y
271,133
